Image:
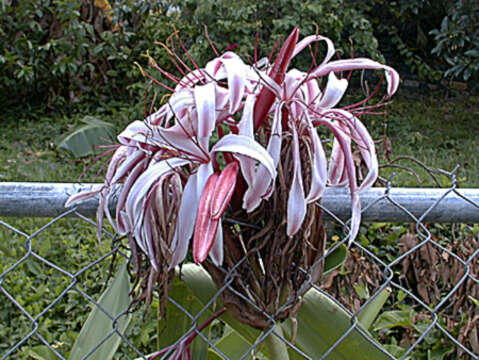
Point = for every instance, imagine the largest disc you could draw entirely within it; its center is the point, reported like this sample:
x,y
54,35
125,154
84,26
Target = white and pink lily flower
x,y
256,118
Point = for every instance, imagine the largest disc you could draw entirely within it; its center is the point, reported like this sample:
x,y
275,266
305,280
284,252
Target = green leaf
x,y
82,140
321,323
232,344
394,350
370,312
176,322
335,259
42,352
201,285
362,291
394,318
98,326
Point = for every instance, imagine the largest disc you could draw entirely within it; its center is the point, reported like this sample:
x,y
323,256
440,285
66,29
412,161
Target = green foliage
x,y
428,39
85,139
457,40
320,322
239,22
401,28
115,300
65,50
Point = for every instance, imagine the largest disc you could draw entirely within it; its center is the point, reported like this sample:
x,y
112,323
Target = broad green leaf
x,y
394,318
321,322
335,259
41,352
278,349
98,326
370,312
201,285
82,140
232,345
176,322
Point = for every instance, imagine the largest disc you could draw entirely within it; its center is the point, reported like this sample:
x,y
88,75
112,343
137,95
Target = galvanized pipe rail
x,y
451,205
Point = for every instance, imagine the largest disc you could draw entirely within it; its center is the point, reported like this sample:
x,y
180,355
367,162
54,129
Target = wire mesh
x,y
52,273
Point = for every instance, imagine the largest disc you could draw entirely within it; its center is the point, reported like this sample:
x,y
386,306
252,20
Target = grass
x,y
28,153
440,132
436,130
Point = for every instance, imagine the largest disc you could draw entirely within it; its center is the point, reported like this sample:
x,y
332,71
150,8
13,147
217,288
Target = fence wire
x,y
52,273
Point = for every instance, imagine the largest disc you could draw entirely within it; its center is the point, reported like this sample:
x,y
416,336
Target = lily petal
x,y
296,201
217,250
137,196
205,108
242,145
224,189
84,195
235,68
356,64
185,221
334,91
319,172
258,188
205,226
310,39
121,226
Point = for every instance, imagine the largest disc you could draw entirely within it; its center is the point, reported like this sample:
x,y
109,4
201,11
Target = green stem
x,y
276,347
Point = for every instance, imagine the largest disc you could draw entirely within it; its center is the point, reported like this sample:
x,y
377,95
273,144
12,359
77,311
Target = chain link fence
x,y
419,245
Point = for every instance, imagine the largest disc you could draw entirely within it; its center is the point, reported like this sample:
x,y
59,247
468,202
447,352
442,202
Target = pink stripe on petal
x,y
357,64
235,69
336,164
319,167
142,186
263,183
129,163
313,92
245,128
367,148
130,180
344,143
355,217
176,139
224,188
136,132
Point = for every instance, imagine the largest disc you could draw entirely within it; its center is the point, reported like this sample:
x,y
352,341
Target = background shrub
x,y
68,49
84,50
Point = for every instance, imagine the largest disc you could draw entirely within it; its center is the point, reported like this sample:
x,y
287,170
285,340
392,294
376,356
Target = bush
x,y
66,49
239,22
457,40
425,38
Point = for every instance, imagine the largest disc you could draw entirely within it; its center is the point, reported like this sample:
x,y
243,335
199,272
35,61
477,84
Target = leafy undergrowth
x,y
437,297
436,130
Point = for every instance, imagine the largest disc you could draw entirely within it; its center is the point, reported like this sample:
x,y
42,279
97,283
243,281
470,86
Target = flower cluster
x,y
218,142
